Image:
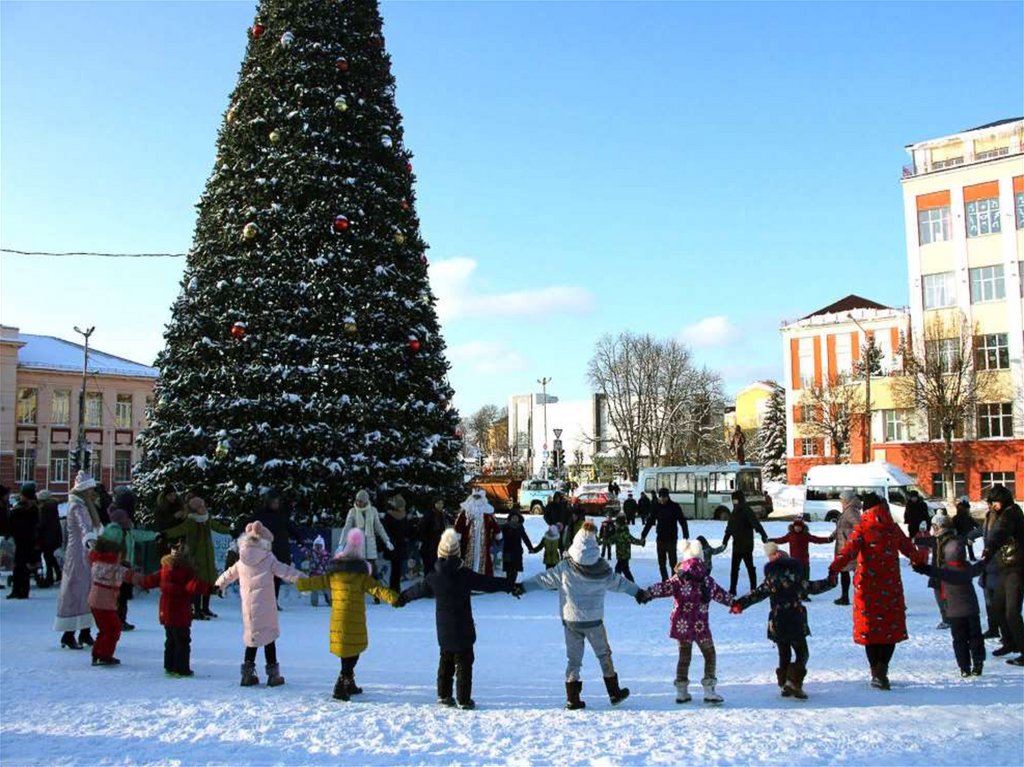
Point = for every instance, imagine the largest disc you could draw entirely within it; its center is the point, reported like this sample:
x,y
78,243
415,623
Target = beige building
x,y
40,389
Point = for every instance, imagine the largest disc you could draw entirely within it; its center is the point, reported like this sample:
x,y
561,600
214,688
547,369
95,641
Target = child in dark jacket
x,y
179,585
799,539
513,540
451,584
955,578
785,584
942,532
604,534
708,551
622,537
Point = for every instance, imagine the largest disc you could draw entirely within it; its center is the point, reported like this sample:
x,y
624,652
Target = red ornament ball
x,y
404,204
413,344
408,167
424,260
257,30
238,330
341,224
342,64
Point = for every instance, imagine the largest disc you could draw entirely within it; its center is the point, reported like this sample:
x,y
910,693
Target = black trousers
x,y
968,646
269,653
797,648
666,552
398,559
22,574
606,550
52,567
450,665
622,566
844,582
879,653
429,553
123,595
512,570
1006,607
746,558
348,665
177,648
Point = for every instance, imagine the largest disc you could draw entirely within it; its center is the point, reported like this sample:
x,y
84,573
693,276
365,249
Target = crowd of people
x,y
462,552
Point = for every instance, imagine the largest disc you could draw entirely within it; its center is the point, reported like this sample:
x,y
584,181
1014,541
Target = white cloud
x,y
451,281
486,358
710,331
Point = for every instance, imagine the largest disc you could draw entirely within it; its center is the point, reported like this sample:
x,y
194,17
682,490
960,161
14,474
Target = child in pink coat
x,y
693,588
255,571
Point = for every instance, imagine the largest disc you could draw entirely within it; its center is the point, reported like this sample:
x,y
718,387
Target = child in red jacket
x,y
178,585
107,576
799,539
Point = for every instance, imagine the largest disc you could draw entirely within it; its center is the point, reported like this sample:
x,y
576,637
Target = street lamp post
x,y
80,451
544,393
867,362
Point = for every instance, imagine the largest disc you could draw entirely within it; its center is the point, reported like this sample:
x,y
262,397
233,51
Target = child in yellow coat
x,y
349,580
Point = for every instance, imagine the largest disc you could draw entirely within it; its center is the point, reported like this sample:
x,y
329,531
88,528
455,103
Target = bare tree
x,y
943,383
698,435
828,410
673,385
479,428
615,371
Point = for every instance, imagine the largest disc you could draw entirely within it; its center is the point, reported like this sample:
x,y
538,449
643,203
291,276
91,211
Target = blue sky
x,y
692,170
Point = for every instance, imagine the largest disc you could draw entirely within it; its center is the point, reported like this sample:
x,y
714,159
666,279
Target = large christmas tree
x,y
304,352
772,437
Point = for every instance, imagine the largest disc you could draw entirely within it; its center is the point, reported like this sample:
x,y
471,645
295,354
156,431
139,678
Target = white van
x,y
825,483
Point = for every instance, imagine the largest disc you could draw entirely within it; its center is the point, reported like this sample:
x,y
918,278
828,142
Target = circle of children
x,y
458,561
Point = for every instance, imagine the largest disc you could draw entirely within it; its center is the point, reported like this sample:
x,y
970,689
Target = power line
x,y
77,253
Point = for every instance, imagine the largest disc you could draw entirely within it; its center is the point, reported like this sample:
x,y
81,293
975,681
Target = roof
x,y
50,353
847,304
993,125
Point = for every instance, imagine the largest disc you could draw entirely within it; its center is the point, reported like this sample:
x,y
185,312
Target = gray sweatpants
x,y
598,638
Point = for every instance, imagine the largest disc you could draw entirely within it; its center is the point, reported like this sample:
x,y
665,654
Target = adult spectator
x,y
1005,545
613,489
742,524
916,514
400,530
849,516
643,507
432,526
629,507
5,510
990,579
879,610
170,509
558,513
664,516
83,527
275,518
49,537
22,527
965,525
364,516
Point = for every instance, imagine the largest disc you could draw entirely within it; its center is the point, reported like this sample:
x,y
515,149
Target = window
x,y
1005,478
808,446
806,413
28,401
94,456
123,411
806,361
59,466
933,225
935,428
992,352
897,425
944,353
1018,207
60,407
123,466
939,485
987,284
25,464
995,420
983,217
939,290
94,408
844,354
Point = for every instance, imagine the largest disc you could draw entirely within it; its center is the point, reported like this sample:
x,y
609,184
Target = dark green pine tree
x,y
772,437
304,352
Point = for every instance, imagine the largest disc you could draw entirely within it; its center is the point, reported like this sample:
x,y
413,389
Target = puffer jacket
x,y
107,576
178,583
367,520
845,525
784,584
693,588
255,571
349,581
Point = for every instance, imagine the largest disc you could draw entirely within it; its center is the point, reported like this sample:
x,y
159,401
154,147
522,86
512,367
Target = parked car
x,y
597,503
534,495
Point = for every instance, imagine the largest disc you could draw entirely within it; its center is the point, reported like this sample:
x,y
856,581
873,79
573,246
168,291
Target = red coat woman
x,y
879,612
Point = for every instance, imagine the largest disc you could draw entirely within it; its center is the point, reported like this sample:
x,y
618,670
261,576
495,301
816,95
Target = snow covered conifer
x,y
772,437
304,351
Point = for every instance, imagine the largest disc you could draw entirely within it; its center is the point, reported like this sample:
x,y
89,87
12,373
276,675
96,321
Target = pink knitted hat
x,y
257,530
354,546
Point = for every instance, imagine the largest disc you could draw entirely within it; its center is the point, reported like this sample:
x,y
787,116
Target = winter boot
x,y
795,681
341,688
353,689
572,695
274,678
85,637
67,639
449,701
467,705
111,661
880,676
710,696
615,693
249,678
683,692
841,601
976,671
780,677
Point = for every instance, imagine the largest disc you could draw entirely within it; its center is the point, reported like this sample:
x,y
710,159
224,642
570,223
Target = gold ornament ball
x,y
249,231
399,238
341,104
350,328
275,136
232,114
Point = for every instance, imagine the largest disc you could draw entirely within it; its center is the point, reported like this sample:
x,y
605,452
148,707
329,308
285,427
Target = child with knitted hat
x,y
623,538
693,588
550,543
107,576
349,579
255,571
581,580
799,539
317,560
451,584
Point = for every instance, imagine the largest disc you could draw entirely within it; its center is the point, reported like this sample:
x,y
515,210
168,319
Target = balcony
x,y
924,168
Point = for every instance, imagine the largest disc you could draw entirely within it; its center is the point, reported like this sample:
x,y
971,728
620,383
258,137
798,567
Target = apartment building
x,y
40,384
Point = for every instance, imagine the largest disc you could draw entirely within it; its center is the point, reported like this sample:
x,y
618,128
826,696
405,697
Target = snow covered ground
x,y
56,709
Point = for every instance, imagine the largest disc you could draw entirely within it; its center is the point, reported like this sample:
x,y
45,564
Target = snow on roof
x,y
50,353
848,304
